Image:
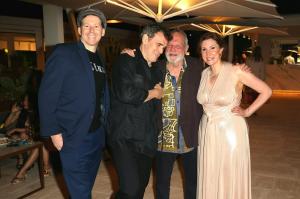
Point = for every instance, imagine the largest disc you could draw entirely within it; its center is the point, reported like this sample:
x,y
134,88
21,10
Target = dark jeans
x,y
80,165
164,167
133,171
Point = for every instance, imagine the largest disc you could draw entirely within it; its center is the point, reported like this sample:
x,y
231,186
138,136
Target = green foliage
x,y
12,89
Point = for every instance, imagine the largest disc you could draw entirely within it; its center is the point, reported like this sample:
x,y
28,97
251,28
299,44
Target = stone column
x,y
53,24
230,48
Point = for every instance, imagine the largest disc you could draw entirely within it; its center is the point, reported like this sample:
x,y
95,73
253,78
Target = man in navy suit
x,y
73,103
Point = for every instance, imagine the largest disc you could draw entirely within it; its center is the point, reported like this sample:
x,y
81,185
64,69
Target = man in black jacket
x,y
133,129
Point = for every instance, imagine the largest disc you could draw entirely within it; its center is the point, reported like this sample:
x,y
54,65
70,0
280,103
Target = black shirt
x,y
22,118
99,76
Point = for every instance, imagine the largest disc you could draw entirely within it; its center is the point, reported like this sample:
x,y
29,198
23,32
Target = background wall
x,y
283,77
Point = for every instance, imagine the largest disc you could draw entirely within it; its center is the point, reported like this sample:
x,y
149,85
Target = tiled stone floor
x,y
275,155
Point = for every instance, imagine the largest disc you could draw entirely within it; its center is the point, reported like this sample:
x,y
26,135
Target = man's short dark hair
x,y
89,11
151,30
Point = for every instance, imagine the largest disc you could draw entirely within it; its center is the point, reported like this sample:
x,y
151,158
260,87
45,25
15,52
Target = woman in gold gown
x,y
224,156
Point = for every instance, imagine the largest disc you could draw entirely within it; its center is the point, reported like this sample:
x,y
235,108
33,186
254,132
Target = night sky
x,y
15,8
287,6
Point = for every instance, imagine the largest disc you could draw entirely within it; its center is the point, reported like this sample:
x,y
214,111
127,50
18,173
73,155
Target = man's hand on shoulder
x,y
128,51
243,67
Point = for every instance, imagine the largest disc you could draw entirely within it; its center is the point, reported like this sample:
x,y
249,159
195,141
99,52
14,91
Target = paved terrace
x,y
275,154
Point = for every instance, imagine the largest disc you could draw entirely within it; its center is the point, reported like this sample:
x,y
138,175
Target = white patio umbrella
x,y
142,12
225,26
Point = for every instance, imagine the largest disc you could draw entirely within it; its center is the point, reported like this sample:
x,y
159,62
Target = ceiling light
x,y
183,4
113,21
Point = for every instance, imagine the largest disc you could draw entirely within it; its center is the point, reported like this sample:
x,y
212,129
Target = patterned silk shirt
x,y
170,138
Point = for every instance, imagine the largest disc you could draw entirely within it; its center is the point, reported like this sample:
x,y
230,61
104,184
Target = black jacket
x,y
132,121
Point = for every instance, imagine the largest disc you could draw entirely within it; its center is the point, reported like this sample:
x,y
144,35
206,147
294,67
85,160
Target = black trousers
x,y
164,167
133,170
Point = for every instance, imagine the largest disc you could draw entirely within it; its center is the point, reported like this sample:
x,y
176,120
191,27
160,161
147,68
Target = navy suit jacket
x,y
67,94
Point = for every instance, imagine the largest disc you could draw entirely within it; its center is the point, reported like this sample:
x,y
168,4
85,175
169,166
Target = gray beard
x,y
178,59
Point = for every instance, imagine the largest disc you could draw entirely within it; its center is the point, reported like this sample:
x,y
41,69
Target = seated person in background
x,y
17,124
29,131
21,174
20,133
18,119
11,120
289,59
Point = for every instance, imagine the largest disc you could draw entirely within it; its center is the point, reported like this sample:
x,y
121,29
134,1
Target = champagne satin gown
x,y
224,154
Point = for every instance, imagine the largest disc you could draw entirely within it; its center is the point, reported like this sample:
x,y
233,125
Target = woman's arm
x,y
17,130
13,115
259,86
